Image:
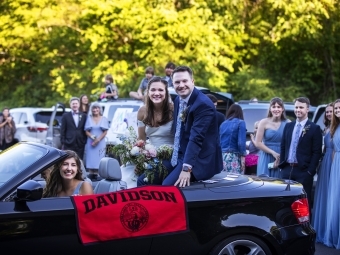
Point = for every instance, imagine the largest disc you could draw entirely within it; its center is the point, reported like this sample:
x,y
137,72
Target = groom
x,y
301,147
197,152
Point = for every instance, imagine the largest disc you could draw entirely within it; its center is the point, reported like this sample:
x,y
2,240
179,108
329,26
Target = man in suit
x,y
72,134
197,152
301,147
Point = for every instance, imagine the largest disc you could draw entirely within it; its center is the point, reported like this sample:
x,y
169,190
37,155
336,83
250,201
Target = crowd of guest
x,y
293,150
278,148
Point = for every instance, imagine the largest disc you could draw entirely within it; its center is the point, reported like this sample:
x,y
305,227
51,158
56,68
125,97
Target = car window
x,y
319,116
251,116
122,110
11,166
44,117
23,119
16,116
290,115
256,114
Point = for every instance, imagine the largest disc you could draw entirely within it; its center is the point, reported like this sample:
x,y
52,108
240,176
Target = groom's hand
x,y
183,180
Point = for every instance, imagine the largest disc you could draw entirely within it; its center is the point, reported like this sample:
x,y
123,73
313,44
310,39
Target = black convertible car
x,y
229,214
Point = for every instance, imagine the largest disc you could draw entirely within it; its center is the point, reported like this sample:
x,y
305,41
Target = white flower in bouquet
x,y
127,133
134,151
149,147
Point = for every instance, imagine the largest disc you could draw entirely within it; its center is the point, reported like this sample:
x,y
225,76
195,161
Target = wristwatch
x,y
187,169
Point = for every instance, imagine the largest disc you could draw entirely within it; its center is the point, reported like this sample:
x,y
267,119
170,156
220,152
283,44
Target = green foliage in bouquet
x,y
145,156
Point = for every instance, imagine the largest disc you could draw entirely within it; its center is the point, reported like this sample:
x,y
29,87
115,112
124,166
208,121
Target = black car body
x,y
238,214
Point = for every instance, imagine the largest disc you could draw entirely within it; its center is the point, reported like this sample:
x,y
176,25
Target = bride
x,y
154,123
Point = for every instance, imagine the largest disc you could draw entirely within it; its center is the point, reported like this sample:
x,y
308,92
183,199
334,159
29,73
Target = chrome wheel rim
x,y
242,247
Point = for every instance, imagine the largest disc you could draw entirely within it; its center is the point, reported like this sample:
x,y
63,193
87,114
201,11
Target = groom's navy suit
x,y
308,154
199,139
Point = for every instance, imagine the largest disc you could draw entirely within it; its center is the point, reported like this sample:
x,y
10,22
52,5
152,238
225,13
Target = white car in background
x,y
120,114
32,123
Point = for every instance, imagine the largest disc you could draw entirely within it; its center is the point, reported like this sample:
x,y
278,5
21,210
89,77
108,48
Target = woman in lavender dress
x,y
321,189
96,128
332,230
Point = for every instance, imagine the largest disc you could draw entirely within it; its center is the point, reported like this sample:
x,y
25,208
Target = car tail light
x,y
301,210
36,129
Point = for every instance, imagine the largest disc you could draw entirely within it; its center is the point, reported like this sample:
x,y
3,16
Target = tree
x,y
52,50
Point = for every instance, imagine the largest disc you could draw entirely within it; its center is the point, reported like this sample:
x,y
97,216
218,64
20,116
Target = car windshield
x,y
44,116
16,159
251,115
119,111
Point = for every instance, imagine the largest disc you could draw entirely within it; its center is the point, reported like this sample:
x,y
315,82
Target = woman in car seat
x,y
66,179
320,214
7,130
268,138
96,127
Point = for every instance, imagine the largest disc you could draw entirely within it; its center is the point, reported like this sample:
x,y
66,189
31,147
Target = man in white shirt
x,y
72,133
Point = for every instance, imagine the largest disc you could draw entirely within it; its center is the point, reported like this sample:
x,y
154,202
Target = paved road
x,y
324,250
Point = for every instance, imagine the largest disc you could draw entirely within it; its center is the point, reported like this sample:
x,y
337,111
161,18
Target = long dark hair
x,y
235,111
335,120
326,121
167,107
87,106
277,100
54,182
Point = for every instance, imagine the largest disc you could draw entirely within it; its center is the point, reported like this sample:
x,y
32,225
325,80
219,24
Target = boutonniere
x,y
80,117
305,129
183,114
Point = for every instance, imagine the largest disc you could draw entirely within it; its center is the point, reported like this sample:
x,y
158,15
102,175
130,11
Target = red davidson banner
x,y
142,211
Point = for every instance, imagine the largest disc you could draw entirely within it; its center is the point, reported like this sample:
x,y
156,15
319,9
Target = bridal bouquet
x,y
145,156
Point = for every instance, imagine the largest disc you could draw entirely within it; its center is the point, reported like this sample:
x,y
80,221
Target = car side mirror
x,y
28,191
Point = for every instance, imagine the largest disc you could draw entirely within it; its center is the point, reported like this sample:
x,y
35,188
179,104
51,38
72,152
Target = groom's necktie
x,y
178,133
296,141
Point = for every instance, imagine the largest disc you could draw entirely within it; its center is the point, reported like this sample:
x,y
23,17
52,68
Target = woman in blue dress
x,y
321,189
96,127
268,138
332,232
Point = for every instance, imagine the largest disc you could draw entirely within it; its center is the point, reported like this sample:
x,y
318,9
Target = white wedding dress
x,y
157,136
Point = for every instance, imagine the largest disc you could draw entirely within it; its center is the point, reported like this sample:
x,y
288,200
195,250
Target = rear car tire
x,y
241,245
